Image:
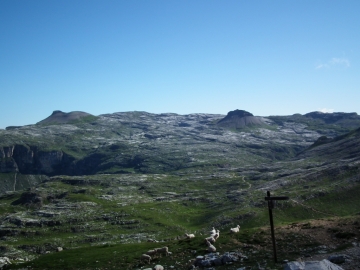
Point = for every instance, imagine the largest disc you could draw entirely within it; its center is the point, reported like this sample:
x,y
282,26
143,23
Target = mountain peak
x,y
240,119
60,117
57,112
239,113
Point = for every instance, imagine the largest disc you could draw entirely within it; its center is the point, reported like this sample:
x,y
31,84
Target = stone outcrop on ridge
x,y
240,119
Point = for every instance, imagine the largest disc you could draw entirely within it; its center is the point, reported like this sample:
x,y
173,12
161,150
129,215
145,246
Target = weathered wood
x,y
271,205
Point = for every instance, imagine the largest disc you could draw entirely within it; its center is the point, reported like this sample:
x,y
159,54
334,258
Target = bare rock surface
x,y
312,265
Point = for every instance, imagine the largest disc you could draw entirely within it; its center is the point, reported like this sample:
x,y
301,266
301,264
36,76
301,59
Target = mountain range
x,y
122,183
78,143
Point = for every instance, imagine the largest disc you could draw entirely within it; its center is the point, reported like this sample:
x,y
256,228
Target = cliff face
x,y
23,166
7,163
30,160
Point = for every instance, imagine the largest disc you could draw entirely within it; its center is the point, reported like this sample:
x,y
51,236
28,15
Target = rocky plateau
x,y
74,179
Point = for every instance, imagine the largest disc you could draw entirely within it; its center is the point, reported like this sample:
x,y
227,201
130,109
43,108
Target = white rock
x,y
312,265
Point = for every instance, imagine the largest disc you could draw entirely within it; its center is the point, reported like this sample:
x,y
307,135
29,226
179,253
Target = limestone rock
x,y
312,265
240,119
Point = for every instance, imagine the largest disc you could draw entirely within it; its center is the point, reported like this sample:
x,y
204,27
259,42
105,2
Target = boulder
x,y
312,265
217,262
205,263
29,198
4,261
338,259
227,258
294,266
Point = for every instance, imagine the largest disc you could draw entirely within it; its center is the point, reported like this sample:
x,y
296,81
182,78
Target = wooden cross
x,y
271,205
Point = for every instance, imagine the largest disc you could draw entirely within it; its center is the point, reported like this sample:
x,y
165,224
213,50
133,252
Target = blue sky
x,y
199,56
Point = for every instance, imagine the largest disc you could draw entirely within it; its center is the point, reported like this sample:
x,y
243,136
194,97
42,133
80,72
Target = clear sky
x,y
276,57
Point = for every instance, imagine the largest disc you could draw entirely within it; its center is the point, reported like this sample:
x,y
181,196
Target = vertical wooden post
x,y
271,206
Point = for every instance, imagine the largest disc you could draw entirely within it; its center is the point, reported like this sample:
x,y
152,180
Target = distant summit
x,y
59,117
238,113
331,118
240,119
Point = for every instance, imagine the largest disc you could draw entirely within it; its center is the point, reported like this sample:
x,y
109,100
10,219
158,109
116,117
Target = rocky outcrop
x,y
215,259
4,261
312,265
240,119
30,198
59,117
